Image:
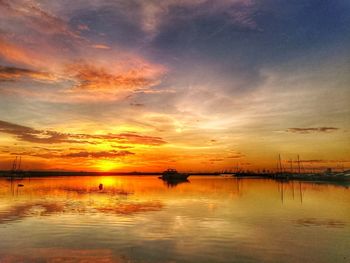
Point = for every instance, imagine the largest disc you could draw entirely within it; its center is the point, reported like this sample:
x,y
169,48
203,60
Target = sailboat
x,y
16,168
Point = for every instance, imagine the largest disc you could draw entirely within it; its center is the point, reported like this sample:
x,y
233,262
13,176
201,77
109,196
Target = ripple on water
x,y
312,222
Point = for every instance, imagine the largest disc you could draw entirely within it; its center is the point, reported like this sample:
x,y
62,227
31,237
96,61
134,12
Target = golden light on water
x,y
109,181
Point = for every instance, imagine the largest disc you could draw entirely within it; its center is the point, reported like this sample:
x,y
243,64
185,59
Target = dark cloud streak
x,y
15,73
312,130
100,154
28,134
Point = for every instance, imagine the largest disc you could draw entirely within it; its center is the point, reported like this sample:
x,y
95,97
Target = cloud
x,y
49,154
31,15
155,14
13,53
136,139
91,77
100,154
312,130
110,80
132,138
14,73
28,134
216,160
236,156
101,46
83,27
121,146
136,104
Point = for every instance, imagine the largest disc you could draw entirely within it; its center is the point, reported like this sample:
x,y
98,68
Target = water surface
x,y
142,219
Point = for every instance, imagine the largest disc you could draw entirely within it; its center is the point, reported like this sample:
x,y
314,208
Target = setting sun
x,y
107,165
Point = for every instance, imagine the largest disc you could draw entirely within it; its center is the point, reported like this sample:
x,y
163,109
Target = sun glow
x,y
107,165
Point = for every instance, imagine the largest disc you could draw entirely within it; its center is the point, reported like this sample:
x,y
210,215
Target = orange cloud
x,y
236,156
101,46
28,134
131,138
49,154
14,53
90,77
100,154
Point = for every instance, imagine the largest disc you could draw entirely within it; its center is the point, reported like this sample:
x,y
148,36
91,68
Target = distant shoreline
x,y
82,173
274,176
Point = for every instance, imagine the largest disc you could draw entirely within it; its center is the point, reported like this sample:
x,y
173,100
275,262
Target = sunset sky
x,y
194,85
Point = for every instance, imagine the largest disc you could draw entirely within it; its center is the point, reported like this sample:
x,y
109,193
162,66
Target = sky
x,y
197,85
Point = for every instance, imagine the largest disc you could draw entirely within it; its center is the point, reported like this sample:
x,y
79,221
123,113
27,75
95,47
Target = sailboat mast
x,y
14,165
280,163
19,164
298,164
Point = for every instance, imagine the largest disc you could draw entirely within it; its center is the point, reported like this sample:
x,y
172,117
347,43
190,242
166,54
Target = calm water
x,y
141,219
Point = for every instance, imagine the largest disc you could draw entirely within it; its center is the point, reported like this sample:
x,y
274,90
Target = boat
x,y
172,174
329,176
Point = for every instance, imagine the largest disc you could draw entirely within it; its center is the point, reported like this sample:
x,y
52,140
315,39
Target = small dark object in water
x,y
20,185
100,186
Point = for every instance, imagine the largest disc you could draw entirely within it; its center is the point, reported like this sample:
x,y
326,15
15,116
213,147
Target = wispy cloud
x,y
312,130
91,77
238,12
236,156
132,138
100,154
28,134
13,53
101,46
31,15
49,154
216,160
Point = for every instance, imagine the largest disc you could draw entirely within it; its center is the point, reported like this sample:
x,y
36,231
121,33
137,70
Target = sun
x,y
107,165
